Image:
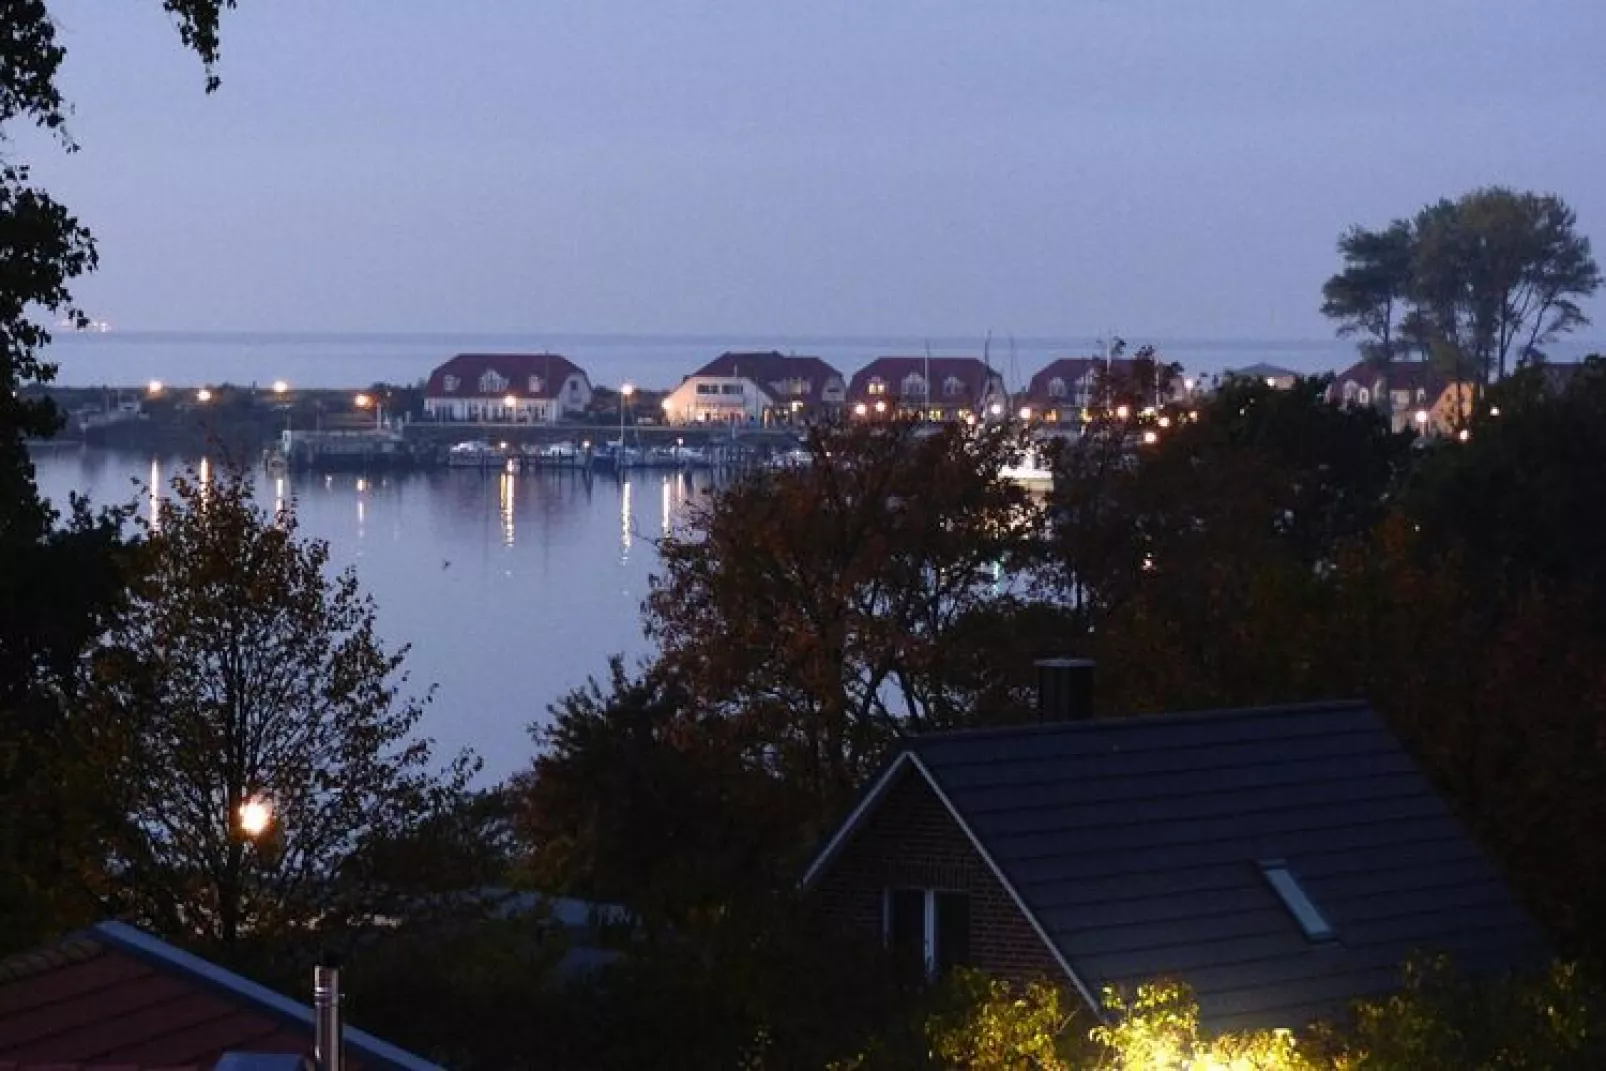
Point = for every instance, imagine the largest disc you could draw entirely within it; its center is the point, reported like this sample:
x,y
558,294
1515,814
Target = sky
x,y
1165,168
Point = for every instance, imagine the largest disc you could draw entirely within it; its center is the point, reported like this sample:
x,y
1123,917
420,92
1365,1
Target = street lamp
x,y
860,409
1187,384
1151,437
880,406
1122,412
280,387
256,815
508,402
996,409
1421,420
625,391
154,387
203,395
1026,412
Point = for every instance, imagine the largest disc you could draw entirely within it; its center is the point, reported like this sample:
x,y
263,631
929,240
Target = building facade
x,y
1411,395
928,388
755,388
507,388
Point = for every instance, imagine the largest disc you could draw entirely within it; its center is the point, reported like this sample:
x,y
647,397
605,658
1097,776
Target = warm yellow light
x,y
627,389
1270,382
1463,435
1187,384
256,815
1151,437
510,401
860,409
1026,412
669,406
280,386
1164,422
363,401
1421,416
996,409
797,407
203,395
1494,410
880,406
1122,412
154,387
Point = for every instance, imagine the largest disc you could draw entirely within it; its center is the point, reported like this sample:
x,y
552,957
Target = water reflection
x,y
278,495
667,494
624,521
505,495
153,492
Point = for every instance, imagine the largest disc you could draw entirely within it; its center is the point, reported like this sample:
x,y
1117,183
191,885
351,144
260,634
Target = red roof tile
x,y
550,370
113,999
771,368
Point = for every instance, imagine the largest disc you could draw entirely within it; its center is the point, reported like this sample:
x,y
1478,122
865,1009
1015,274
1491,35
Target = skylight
x,y
1293,896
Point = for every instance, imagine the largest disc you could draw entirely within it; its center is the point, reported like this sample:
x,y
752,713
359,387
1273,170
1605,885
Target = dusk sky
x,y
1166,168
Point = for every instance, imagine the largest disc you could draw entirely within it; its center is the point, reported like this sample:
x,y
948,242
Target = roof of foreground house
x,y
113,998
551,370
1145,847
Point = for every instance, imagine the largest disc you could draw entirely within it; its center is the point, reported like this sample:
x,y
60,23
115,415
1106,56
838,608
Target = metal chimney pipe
x,y
326,1016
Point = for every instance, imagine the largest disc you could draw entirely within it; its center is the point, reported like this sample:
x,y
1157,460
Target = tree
x,y
1368,297
243,673
1493,275
820,607
59,585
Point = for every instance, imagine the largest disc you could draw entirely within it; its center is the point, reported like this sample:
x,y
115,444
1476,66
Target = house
x,y
931,388
512,388
113,996
1282,861
1411,394
1065,387
1274,376
756,387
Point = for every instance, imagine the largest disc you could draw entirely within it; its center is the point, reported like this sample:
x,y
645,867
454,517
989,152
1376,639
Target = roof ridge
x,y
1124,720
76,947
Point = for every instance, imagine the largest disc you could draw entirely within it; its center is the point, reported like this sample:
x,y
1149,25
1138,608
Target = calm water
x,y
512,589
129,358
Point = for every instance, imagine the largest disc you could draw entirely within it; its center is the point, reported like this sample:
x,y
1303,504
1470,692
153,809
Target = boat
x,y
795,458
1029,471
474,455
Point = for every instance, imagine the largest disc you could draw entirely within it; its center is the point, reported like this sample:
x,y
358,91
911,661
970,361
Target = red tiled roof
x,y
516,368
1401,375
971,372
771,368
111,998
1072,370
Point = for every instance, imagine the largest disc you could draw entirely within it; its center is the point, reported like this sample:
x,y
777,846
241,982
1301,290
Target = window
x,y
1056,387
450,383
574,388
708,388
1421,395
730,388
953,387
914,385
536,386
1299,905
492,383
876,386
1363,396
929,926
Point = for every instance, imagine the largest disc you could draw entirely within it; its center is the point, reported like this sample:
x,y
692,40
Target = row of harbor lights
x,y
363,401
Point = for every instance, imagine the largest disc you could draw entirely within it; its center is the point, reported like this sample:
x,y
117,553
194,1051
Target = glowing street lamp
x,y
625,391
1494,410
1164,422
203,395
256,815
996,409
1122,412
860,409
1151,437
280,387
1463,435
1421,420
1026,412
154,387
880,406
1187,384
362,401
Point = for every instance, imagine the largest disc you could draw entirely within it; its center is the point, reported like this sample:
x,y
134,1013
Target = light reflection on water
x,y
511,588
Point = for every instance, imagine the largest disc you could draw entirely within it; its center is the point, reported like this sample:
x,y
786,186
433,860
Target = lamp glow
x,y
280,386
256,815
203,395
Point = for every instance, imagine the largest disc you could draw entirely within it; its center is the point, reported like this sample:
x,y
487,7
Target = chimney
x,y
326,1016
1064,689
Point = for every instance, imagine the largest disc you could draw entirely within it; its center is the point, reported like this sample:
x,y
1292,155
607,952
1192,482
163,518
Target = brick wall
x,y
911,841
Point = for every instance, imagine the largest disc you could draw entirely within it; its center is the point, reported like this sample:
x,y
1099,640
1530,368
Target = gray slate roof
x,y
1135,843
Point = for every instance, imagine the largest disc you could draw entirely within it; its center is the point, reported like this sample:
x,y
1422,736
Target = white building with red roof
x,y
748,387
511,388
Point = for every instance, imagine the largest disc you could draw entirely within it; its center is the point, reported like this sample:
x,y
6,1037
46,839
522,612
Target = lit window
x,y
928,926
1292,894
876,386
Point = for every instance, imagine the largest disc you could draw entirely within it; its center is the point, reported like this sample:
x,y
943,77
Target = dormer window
x,y
492,383
1056,387
450,383
914,385
876,386
953,387
1296,900
536,385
